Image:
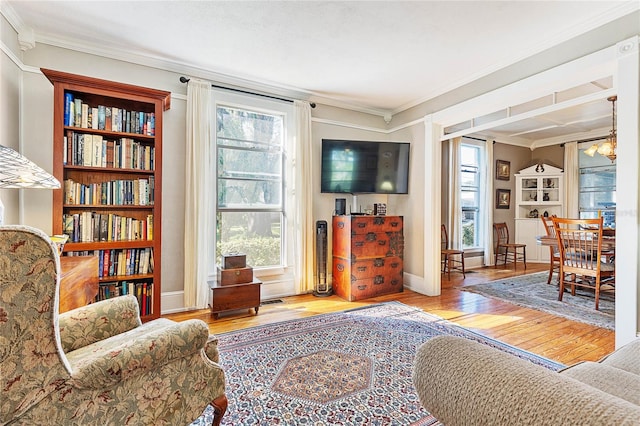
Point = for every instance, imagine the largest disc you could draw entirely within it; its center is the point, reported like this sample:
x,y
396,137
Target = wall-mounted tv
x,y
364,167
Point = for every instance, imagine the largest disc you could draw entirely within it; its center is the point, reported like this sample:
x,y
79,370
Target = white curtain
x,y
303,196
571,180
488,204
454,225
199,194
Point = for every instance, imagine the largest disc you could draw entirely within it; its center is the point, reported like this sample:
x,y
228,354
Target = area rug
x,y
344,368
532,291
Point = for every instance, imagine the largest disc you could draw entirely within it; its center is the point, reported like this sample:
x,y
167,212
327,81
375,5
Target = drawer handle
x,y
395,282
362,268
340,225
379,279
379,221
382,242
361,225
395,264
371,236
395,224
378,263
340,267
359,244
362,287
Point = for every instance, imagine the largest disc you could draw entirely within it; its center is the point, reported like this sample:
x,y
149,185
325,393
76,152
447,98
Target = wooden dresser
x,y
367,256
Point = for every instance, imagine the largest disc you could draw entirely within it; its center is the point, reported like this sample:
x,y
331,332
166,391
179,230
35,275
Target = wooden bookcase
x,y
111,197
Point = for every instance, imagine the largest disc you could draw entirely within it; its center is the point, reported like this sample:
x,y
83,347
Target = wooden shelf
x,y
139,102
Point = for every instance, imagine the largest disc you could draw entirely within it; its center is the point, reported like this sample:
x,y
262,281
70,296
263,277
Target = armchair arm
x,y
97,321
136,352
462,382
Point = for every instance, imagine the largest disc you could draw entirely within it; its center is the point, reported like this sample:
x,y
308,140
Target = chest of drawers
x,y
367,256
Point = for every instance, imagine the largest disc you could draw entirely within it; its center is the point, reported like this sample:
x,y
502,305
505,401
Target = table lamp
x,y
18,172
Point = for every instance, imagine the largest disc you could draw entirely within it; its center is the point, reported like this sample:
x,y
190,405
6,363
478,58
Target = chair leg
x,y
219,408
561,291
550,267
524,256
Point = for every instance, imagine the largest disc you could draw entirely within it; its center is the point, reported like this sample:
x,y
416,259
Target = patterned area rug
x,y
345,368
532,291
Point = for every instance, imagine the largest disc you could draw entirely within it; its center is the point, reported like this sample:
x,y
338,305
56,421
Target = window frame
x,y
258,104
480,209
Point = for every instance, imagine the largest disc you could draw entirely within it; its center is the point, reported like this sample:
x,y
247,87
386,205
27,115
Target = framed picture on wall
x,y
503,170
503,198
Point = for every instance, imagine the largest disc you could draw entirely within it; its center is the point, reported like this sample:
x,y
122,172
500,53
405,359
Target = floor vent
x,y
271,302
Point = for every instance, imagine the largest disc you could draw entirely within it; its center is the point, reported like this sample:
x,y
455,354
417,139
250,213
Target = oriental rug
x,y
532,291
345,368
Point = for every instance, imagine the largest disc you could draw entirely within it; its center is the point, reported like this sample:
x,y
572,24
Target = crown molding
x,y
192,70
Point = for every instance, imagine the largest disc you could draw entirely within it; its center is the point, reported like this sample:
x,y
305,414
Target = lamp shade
x,y
17,171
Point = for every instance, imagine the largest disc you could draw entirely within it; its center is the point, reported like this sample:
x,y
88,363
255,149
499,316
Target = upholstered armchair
x,y
96,365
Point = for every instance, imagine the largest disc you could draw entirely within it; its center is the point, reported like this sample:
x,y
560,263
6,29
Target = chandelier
x,y
608,147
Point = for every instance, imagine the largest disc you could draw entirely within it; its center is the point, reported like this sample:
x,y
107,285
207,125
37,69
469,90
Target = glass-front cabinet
x,y
539,192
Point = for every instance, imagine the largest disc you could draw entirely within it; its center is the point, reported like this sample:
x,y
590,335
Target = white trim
x,y
589,68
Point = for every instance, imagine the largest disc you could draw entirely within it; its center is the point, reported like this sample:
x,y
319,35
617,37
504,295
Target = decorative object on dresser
x,y
539,189
97,364
107,149
367,256
235,287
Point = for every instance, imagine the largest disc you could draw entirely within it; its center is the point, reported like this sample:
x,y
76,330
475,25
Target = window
x,y
471,194
597,188
250,216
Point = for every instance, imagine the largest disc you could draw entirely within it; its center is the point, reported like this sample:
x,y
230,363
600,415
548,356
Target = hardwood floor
x,y
553,337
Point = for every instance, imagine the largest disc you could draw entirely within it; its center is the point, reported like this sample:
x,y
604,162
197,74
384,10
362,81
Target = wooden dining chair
x,y
581,263
506,250
554,252
451,259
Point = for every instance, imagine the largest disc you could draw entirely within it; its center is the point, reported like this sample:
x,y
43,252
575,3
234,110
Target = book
x,y
84,117
68,101
77,120
101,117
94,118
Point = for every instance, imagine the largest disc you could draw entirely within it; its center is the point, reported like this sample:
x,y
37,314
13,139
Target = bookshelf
x,y
107,154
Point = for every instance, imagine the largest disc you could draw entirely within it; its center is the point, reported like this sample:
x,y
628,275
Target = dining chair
x,y
451,259
581,262
554,252
515,252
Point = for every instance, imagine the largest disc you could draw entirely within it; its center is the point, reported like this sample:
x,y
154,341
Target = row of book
x,y
142,290
102,227
120,192
83,149
100,117
121,262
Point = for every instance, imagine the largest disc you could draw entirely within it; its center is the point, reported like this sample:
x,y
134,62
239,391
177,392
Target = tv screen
x,y
364,167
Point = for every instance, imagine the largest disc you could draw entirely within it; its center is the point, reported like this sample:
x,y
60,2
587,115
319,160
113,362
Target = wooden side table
x,y
78,281
234,297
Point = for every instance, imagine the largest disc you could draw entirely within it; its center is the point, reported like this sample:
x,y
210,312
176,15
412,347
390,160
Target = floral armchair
x,y
97,364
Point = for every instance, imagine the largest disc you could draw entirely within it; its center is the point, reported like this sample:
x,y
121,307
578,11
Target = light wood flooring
x,y
547,335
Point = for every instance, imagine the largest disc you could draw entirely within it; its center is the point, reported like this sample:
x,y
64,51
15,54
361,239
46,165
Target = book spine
x,y
68,101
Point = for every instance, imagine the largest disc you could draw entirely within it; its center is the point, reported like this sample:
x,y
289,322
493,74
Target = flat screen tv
x,y
364,167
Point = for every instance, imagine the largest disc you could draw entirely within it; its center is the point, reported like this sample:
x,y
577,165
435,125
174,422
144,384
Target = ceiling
x,y
374,56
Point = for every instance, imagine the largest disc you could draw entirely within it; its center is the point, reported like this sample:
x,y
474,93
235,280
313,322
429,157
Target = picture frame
x,y
503,198
503,170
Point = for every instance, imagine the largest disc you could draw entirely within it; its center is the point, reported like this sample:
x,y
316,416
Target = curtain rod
x,y
246,92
